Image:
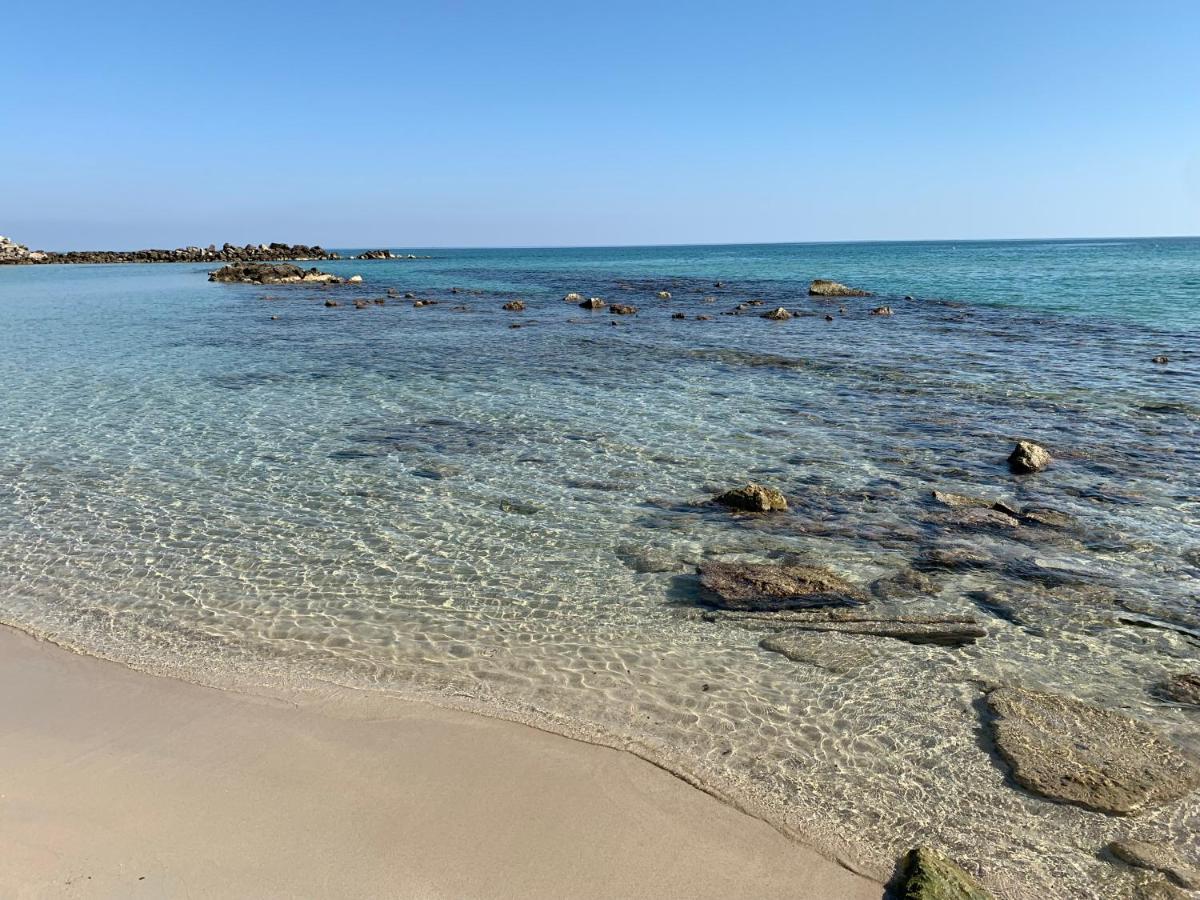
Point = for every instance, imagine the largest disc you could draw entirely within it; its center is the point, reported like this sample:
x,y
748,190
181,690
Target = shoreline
x,y
119,780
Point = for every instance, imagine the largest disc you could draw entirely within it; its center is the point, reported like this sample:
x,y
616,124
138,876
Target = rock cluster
x,y
821,287
376,254
271,273
11,253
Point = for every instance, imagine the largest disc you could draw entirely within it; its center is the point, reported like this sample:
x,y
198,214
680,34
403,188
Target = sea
x,y
504,511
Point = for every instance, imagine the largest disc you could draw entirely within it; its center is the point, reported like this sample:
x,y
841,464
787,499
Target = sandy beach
x,y
114,783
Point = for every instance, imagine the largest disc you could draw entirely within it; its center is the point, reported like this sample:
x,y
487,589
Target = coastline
x,y
119,782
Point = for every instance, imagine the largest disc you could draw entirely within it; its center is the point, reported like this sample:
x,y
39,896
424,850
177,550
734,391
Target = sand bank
x,y
115,783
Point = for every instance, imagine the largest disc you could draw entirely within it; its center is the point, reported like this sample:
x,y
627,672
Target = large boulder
x,y
753,498
929,875
270,273
821,287
759,588
1028,457
1095,758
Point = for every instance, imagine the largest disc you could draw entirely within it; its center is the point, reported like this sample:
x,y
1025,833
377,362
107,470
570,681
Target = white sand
x,y
115,783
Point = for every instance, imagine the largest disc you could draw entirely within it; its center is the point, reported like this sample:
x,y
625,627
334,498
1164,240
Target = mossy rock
x,y
928,875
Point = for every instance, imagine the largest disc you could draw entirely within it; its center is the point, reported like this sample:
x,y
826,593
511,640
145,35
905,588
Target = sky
x,y
458,124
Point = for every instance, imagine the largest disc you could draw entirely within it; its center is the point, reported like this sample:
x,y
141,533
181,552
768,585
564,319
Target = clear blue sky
x,y
553,123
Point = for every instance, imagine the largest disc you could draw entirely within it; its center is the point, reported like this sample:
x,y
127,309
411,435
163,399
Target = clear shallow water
x,y
426,500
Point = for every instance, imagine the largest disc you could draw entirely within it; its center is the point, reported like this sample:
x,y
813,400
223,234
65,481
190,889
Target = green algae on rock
x,y
929,875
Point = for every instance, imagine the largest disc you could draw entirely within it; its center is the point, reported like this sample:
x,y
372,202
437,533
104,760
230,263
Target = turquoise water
x,y
431,502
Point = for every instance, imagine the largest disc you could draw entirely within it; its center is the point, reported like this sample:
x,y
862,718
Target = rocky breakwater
x,y
17,254
12,253
271,273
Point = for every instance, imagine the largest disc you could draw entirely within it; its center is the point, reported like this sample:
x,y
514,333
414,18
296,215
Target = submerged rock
x,y
664,295
753,498
679,315
1069,751
1161,360
929,875
622,309
645,560
593,303
821,287
355,279
779,314
514,306
1028,457
1156,858
944,631
882,311
953,559
270,273
1048,518
1184,688
824,650
905,583
573,298
743,586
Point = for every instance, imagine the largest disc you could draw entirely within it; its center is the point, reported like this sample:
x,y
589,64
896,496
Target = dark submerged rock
x,y
1183,688
943,631
744,586
1069,751
622,309
514,306
1156,858
882,311
778,314
593,303
905,583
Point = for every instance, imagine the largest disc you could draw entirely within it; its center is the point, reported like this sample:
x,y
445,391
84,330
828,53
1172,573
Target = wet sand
x,y
117,783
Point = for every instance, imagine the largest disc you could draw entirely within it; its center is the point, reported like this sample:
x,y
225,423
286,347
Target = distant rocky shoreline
x,y
14,254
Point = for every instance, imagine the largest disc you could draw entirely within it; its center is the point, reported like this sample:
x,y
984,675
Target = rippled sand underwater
x,y
432,502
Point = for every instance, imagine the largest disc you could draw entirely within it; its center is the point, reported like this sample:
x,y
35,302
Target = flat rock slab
x,y
1156,858
1095,758
743,586
944,633
829,650
928,875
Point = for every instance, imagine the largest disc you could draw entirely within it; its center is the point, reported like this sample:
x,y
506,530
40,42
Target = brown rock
x,y
1028,457
514,306
1096,758
753,498
779,314
622,309
744,586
